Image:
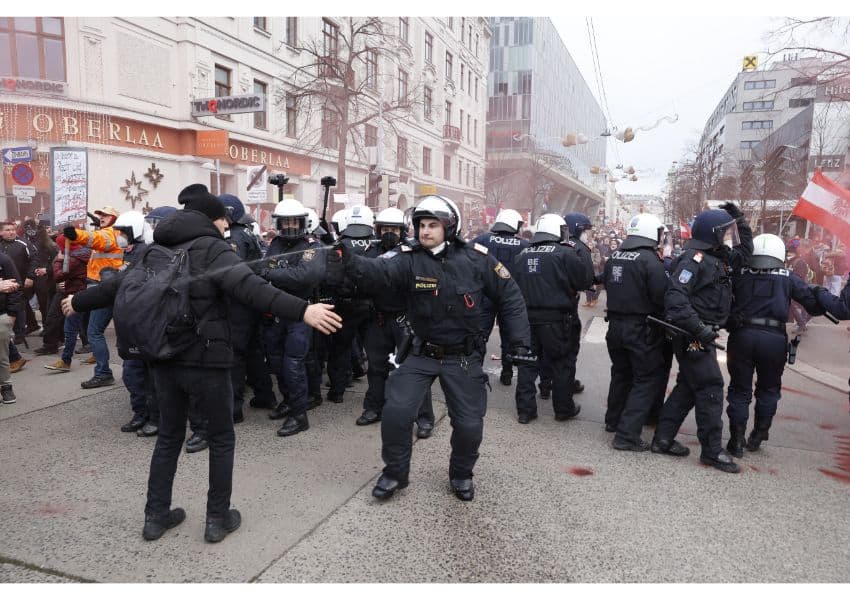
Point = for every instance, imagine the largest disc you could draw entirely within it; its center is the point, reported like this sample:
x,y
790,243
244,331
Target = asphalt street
x,y
554,502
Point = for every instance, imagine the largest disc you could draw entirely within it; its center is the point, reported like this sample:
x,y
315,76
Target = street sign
x,y
258,186
23,191
12,156
212,143
24,199
22,174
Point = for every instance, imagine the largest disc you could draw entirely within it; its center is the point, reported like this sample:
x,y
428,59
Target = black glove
x,y
521,355
335,265
733,210
816,289
70,232
706,334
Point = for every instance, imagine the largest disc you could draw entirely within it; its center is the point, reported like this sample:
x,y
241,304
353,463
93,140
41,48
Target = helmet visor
x,y
730,235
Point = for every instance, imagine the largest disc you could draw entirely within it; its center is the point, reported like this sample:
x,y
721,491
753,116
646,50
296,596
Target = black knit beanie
x,y
197,197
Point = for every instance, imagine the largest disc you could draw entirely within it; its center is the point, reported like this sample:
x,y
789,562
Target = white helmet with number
x,y
646,226
360,222
549,228
768,252
312,220
507,221
132,224
288,209
442,209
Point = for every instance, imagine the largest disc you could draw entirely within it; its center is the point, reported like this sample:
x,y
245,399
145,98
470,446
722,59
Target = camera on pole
x,y
280,180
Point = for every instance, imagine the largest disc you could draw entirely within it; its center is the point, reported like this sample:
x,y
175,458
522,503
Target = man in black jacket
x,y
203,370
10,302
20,253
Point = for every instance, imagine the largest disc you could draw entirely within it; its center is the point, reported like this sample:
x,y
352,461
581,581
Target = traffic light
x,y
387,190
373,188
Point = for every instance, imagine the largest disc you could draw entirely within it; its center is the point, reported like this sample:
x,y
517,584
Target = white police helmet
x,y
312,220
507,221
339,220
132,224
392,217
646,226
285,210
360,222
442,209
549,228
768,252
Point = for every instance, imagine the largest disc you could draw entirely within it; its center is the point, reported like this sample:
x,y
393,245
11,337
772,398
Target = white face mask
x,y
122,240
227,234
585,236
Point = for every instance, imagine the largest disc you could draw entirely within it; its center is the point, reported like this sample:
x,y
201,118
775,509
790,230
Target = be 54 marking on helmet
x,y
441,209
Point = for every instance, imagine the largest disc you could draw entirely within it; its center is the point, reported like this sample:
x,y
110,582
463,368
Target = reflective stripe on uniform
x,y
107,255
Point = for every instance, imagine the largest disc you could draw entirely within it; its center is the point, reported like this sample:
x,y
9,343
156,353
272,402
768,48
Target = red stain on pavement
x,y
773,471
838,476
806,394
827,426
578,471
48,510
692,443
788,418
754,468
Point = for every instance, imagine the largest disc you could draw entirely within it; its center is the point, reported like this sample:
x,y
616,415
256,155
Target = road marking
x,y
596,332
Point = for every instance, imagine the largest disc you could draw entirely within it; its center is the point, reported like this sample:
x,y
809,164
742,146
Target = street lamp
x,y
217,168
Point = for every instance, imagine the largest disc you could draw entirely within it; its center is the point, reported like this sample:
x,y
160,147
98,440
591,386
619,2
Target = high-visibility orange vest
x,y
105,250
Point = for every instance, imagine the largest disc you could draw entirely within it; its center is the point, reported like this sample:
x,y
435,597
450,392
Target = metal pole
x,y
218,176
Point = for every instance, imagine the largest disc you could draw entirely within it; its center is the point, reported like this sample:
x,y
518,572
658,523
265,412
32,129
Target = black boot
x,y
738,434
218,528
759,433
294,424
7,394
280,411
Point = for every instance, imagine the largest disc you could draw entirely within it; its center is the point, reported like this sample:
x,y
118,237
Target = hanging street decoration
x,y
133,190
154,175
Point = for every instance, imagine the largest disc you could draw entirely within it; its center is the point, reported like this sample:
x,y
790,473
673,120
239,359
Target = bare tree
x,y
338,90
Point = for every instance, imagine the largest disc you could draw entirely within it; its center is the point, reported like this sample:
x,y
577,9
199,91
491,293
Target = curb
x,y
828,379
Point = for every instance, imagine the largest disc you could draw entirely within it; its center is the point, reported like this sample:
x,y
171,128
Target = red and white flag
x,y
684,230
827,204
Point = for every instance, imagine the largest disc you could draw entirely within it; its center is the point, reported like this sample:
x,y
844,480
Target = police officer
x,y
352,303
504,243
635,283
317,355
244,322
443,281
387,329
549,273
758,342
698,300
580,231
292,264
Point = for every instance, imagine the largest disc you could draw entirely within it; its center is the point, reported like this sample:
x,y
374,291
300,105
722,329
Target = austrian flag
x,y
827,204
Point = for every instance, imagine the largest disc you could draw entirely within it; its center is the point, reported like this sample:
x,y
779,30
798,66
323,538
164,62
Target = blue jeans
x,y
98,322
73,325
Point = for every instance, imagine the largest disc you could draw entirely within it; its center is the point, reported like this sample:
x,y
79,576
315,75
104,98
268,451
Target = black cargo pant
x,y
214,396
555,341
699,385
490,316
463,382
354,313
383,336
763,352
637,373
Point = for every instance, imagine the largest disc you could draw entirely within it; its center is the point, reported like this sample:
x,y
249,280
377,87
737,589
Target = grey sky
x,y
656,66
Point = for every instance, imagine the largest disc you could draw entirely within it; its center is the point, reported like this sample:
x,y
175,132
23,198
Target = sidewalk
x,y
824,353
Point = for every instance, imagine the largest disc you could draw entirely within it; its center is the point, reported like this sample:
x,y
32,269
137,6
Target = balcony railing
x,y
451,134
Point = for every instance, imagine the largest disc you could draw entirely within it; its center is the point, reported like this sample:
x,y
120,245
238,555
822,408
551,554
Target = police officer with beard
x,y
443,281
352,303
635,283
757,341
245,328
504,243
387,329
293,264
549,273
579,227
698,300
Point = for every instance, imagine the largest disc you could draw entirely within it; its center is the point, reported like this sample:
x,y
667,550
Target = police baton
x,y
831,317
679,331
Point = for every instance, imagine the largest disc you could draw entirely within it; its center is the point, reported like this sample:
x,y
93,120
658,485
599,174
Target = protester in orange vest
x,y
106,259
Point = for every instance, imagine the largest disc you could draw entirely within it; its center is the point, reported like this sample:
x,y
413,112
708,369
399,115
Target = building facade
x,y
537,97
123,91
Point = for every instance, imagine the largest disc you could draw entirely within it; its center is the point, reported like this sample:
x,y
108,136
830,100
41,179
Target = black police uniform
x,y
549,274
700,294
354,306
758,343
295,266
248,360
505,247
443,295
635,283
584,254
385,333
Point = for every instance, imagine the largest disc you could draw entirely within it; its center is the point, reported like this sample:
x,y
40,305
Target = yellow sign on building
x,y
751,63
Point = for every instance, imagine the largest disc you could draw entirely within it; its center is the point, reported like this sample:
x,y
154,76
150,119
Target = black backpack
x,y
152,312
